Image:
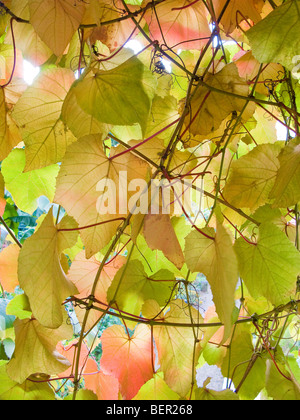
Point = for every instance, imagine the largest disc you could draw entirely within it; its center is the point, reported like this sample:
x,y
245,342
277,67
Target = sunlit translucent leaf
x,y
169,243
38,113
27,187
28,390
132,286
128,359
216,259
274,39
121,96
19,307
279,387
35,350
83,273
178,22
238,359
269,268
209,108
8,268
253,177
45,288
83,167
286,190
176,345
156,389
237,11
56,21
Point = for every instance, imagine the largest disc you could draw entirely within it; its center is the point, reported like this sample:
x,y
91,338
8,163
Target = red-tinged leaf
x,y
104,386
128,359
183,23
83,273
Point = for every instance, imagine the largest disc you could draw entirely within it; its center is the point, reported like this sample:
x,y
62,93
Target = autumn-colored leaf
x,y
179,23
80,194
128,359
56,21
46,289
35,350
8,268
38,112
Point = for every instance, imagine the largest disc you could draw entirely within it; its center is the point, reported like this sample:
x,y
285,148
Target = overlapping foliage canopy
x,y
106,306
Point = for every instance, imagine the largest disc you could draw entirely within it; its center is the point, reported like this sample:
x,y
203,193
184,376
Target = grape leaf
x,y
56,21
38,113
274,39
35,350
46,289
120,96
253,176
287,185
269,268
216,259
128,359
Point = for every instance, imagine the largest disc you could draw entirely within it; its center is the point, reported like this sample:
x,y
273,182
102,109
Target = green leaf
x,y
19,307
286,190
269,268
121,96
275,38
132,286
27,187
156,389
215,258
28,390
252,177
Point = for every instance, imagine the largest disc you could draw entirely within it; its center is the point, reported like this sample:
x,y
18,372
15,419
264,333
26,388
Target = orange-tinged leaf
x,y
68,352
168,242
106,387
2,199
9,268
56,21
237,11
35,350
41,275
82,274
26,38
9,133
128,359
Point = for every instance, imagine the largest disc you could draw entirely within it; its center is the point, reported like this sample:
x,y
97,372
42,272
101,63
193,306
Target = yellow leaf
x,y
35,351
38,113
41,275
56,21
78,191
216,259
